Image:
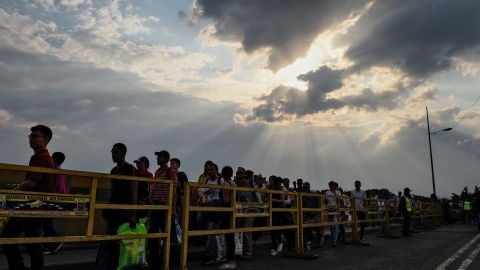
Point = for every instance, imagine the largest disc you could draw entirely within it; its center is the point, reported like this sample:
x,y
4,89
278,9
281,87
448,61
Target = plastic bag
x,y
178,231
132,251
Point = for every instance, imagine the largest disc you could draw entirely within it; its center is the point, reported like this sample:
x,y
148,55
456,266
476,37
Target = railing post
x,y
93,200
185,228
168,227
387,219
355,220
233,201
301,243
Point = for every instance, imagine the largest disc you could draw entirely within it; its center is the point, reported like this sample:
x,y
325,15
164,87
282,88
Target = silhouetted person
x,y
405,208
39,138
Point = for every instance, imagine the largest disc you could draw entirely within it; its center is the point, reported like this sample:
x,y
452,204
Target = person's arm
x,y
226,193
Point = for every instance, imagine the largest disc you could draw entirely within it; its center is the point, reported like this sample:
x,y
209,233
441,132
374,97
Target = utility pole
x,y
431,157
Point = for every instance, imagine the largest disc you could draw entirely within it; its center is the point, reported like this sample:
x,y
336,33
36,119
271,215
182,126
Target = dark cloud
x,y
419,37
286,102
287,27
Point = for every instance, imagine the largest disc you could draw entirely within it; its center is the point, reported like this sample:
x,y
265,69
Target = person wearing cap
x,y
405,208
142,163
159,196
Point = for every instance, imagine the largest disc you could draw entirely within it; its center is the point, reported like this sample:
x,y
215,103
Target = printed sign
x,y
252,209
40,205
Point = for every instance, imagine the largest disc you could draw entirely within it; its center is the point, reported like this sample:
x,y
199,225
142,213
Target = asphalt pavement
x,y
447,247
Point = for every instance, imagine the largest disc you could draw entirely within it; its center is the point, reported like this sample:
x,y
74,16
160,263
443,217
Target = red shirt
x,y
159,191
45,182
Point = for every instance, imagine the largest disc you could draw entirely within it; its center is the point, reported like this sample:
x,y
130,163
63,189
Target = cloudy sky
x,y
320,90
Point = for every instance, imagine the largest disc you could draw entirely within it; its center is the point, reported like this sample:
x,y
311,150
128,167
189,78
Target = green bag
x,y
132,251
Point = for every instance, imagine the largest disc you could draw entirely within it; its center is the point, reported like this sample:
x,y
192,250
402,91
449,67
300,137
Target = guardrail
x,y
74,206
376,210
307,210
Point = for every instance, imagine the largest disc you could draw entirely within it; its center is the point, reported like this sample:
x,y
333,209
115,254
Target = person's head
x,y
39,137
277,184
142,163
249,174
331,185
175,163
119,151
58,158
206,164
240,173
211,171
406,191
286,182
299,183
227,173
358,184
305,186
162,157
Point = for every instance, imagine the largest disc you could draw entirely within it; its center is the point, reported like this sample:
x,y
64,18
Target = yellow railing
x,y
376,210
88,206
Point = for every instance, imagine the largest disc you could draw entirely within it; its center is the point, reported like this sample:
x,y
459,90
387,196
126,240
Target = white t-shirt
x,y
331,200
212,194
359,203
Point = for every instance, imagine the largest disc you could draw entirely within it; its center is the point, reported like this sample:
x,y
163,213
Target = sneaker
x,y
280,247
57,247
228,265
273,252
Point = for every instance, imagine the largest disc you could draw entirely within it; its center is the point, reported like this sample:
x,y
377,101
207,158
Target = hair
x,y
208,162
175,160
249,173
122,147
46,131
59,157
164,153
227,172
358,181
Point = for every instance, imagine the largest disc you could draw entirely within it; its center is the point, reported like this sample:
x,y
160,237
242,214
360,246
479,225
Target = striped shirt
x,y
159,191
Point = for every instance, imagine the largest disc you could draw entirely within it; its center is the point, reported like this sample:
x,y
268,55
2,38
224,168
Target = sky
x,y
319,90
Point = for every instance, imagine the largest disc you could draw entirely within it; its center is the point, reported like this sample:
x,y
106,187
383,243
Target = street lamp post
x,y
431,157
430,146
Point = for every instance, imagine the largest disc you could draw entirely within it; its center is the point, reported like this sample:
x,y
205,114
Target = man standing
x,y
122,192
332,207
159,196
360,197
39,138
405,208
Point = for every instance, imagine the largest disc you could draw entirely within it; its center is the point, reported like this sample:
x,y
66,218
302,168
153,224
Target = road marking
x,y
466,263
457,254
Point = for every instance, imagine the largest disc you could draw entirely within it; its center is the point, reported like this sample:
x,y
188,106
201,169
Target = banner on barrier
x,y
40,205
252,209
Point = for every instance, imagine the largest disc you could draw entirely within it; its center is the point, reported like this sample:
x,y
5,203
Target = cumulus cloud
x,y
286,28
419,37
415,39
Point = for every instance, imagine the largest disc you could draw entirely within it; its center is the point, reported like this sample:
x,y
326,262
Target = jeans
x,y
32,228
157,224
406,223
108,252
333,229
361,216
215,243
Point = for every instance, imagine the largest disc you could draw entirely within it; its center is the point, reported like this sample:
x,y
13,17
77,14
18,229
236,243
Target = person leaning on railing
x,y
39,138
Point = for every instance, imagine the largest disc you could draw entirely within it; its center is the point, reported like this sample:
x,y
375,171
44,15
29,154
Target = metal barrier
x,y
86,205
323,207
235,211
